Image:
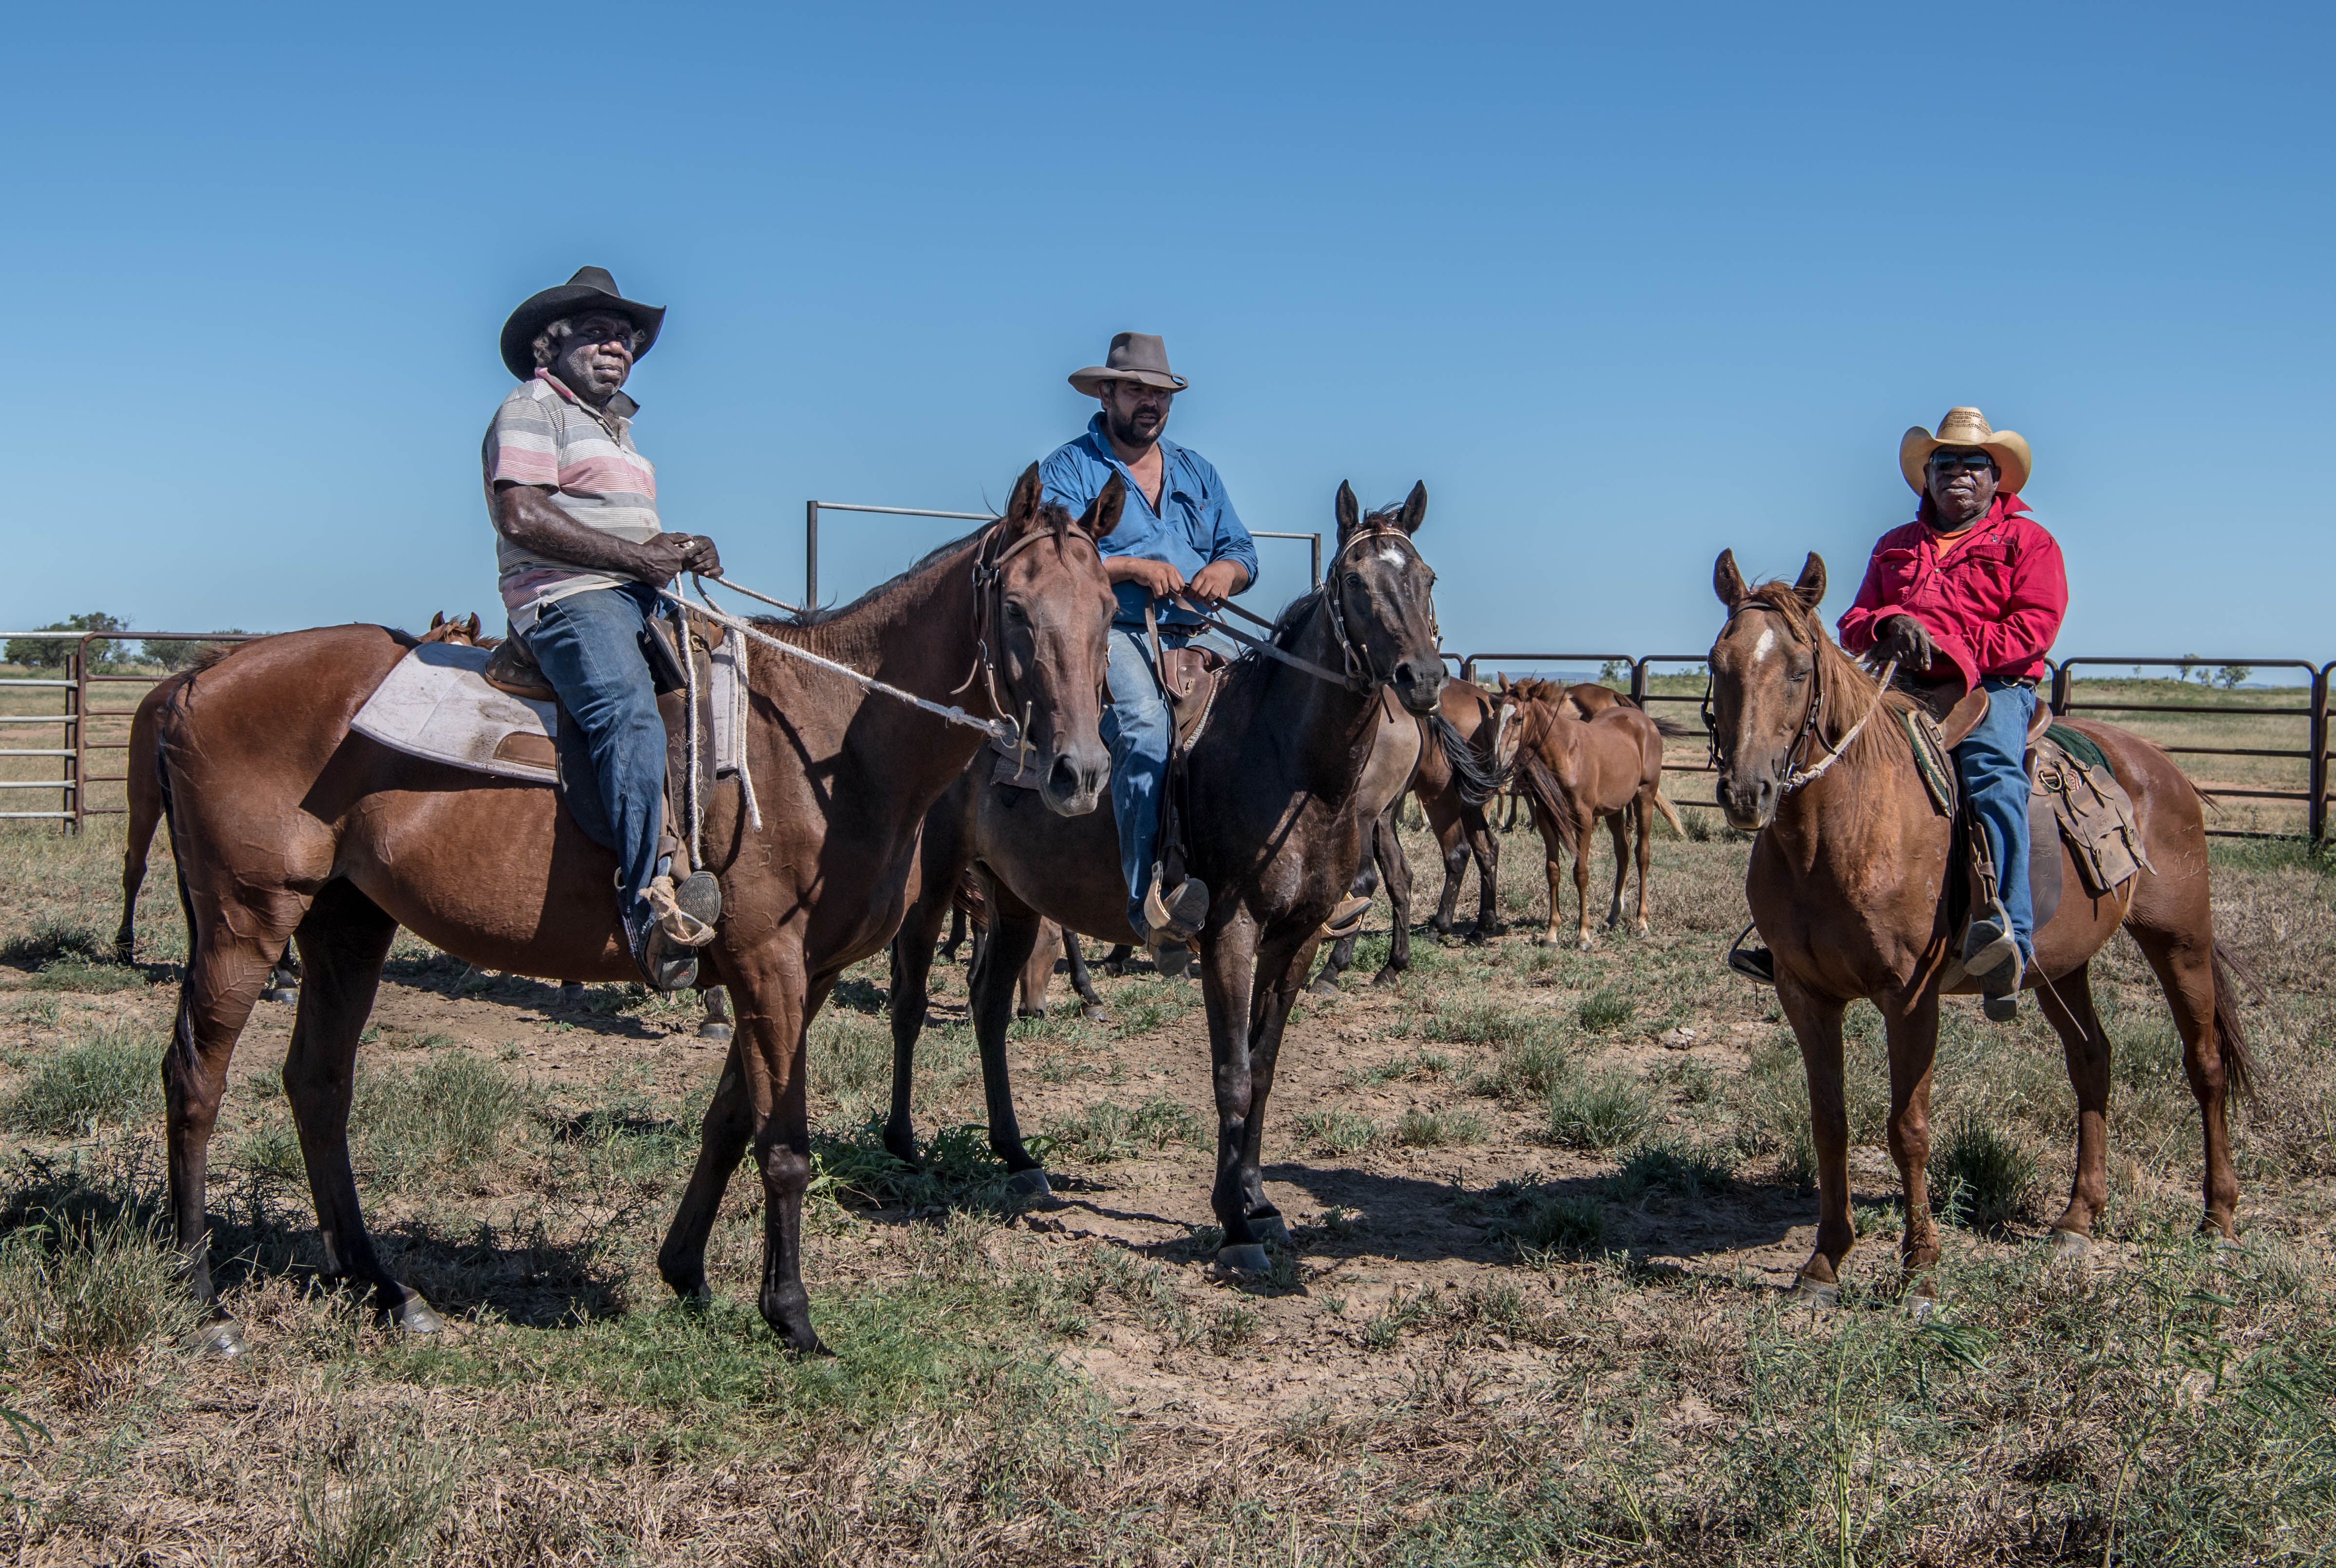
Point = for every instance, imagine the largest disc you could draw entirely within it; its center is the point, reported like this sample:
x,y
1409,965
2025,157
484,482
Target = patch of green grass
x,y
271,1149
87,1269
956,1168
374,1502
850,1060
1980,1178
1688,1170
1338,1132
1109,1131
453,1112
1419,1129
1598,1111
52,939
1557,1227
82,975
1605,1010
1413,1064
112,1078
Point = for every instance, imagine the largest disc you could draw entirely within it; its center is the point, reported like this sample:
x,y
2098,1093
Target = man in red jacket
x,y
1973,589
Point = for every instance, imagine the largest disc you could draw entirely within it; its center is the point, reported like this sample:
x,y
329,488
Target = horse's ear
x,y
1103,513
1349,513
437,619
471,626
1809,586
1023,509
1415,509
1726,581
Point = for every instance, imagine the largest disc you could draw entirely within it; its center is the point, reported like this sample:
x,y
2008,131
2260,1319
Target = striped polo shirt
x,y
545,435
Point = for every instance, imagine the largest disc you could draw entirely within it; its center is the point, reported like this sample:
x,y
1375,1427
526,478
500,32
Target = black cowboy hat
x,y
591,289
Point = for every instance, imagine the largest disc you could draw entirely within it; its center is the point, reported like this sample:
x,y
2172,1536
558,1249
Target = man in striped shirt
x,y
581,556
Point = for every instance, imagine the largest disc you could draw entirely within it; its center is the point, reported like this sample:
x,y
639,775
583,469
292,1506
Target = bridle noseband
x,y
1361,673
1792,776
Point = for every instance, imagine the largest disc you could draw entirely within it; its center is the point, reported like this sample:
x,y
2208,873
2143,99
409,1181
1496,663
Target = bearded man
x,y
1973,589
1178,537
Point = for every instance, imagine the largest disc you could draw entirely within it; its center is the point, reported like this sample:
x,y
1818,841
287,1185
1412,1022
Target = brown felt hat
x,y
1136,356
1967,428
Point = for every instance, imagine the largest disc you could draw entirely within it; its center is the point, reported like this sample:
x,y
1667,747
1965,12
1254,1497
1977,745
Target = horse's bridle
x,y
1793,775
988,616
1361,675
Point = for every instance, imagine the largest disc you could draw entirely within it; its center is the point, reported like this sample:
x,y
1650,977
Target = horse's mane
x,y
1847,690
1052,514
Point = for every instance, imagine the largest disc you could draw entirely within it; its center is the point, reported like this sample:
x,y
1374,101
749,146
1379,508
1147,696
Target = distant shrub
x,y
51,653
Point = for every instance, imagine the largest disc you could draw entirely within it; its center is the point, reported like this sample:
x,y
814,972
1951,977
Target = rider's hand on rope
x,y
1218,581
1161,579
667,556
704,559
1905,640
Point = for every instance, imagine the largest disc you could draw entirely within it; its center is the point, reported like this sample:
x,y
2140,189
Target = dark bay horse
x,y
1586,753
284,824
1845,884
1280,803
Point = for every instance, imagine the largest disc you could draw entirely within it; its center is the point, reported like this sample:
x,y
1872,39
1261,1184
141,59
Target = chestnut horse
x,y
1845,884
1476,743
1280,786
286,824
1586,752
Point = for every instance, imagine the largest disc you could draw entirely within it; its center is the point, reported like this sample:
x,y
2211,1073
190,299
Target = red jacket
x,y
1993,606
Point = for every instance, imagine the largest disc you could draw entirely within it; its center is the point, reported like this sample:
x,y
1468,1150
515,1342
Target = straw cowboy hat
x,y
1967,428
591,289
1136,356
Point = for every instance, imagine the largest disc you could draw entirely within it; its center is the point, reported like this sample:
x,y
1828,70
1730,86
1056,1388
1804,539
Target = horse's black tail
x,y
2229,1033
1476,778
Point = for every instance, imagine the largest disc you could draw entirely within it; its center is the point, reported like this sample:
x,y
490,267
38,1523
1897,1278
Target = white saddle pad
x,y
436,703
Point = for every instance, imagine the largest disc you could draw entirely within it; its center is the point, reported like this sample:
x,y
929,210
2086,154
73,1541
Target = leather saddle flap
x,y
1956,708
1193,676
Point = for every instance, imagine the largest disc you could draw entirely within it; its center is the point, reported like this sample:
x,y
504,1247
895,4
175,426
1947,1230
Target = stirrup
x,y
1755,963
686,915
1347,918
1178,918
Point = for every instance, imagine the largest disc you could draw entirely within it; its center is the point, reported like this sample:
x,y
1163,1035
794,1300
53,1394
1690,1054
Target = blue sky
x,y
1622,285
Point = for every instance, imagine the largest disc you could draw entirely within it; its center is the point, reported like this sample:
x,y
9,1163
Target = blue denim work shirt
x,y
1195,524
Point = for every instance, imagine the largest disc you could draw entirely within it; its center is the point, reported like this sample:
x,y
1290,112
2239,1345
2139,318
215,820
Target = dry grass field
x,y
1542,1200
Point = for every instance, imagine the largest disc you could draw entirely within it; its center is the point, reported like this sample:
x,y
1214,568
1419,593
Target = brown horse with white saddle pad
x,y
1291,771
285,823
1852,886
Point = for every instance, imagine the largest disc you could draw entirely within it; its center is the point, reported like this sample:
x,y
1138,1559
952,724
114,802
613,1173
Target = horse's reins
x,y
1359,676
1794,777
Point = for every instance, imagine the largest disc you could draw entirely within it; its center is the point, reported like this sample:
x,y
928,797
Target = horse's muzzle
x,y
1418,682
1074,783
1748,800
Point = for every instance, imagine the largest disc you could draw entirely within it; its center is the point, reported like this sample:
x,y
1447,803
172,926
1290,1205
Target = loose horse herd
x,y
288,827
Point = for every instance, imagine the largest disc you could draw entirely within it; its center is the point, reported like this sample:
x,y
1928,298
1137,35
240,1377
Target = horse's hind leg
x,y
1485,847
722,1139
913,967
221,985
344,940
1645,812
1585,833
1013,934
1396,866
1090,1004
2184,963
2068,1005
1619,825
1366,883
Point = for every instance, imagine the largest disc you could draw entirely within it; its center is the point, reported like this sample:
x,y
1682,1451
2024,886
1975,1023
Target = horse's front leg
x,y
1228,967
1396,867
1013,934
1816,1024
722,1138
1281,960
1914,1032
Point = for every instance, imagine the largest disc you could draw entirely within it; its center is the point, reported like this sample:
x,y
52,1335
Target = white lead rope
x,y
1000,730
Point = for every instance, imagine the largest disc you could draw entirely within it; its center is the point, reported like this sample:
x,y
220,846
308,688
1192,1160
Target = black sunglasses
x,y
1964,463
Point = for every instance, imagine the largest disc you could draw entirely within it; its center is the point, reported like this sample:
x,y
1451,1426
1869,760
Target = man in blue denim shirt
x,y
1179,536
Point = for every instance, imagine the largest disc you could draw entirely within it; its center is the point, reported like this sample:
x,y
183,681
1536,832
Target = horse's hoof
x,y
220,1337
283,993
713,1031
1271,1230
1094,1014
1246,1259
1922,1309
416,1316
1584,946
571,993
1815,1294
2068,1247
1030,1184
1387,977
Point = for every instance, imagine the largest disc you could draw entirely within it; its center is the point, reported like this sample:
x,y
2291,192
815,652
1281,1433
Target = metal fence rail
x,y
79,716
2316,755
811,510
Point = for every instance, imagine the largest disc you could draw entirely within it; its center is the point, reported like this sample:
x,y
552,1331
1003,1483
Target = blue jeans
x,y
1138,728
589,646
1990,762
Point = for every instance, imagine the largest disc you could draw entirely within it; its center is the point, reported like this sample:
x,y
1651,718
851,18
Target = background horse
x,y
1846,883
1587,753
1281,790
286,824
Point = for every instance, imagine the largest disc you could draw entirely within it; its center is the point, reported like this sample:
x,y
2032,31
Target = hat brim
x,y
1090,380
2007,447
539,310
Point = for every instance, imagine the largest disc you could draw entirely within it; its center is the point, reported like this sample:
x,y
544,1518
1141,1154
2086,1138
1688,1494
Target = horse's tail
x,y
1670,812
1475,778
1549,796
1672,729
2238,1062
142,786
